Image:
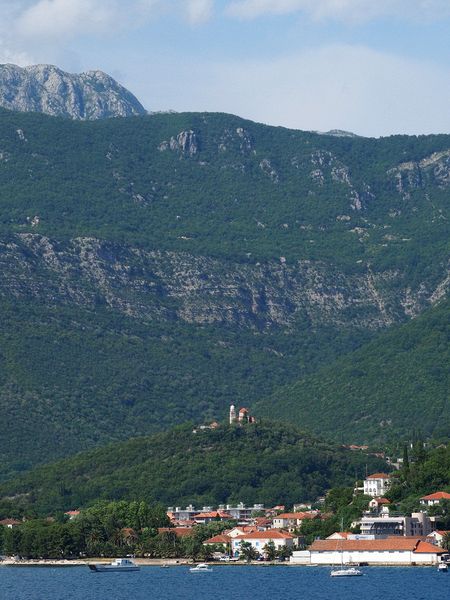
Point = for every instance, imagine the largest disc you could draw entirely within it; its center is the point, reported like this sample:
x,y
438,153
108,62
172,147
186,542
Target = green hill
x,y
158,268
270,463
390,387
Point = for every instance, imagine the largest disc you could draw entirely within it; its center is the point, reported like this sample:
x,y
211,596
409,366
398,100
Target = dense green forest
x,y
206,192
384,390
425,471
158,268
73,378
267,463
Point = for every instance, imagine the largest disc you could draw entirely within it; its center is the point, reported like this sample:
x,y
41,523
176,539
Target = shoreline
x,y
182,562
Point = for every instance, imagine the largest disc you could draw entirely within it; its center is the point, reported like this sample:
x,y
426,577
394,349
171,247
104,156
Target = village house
x,y
223,539
292,521
378,504
438,537
388,551
10,523
435,498
241,529
259,539
72,514
376,485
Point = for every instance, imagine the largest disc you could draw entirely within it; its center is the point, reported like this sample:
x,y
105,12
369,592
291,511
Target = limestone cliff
x,y
47,89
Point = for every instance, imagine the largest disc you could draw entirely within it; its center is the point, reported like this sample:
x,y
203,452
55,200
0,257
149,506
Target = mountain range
x,y
157,268
47,89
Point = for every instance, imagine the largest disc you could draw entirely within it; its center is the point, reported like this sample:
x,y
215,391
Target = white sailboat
x,y
344,571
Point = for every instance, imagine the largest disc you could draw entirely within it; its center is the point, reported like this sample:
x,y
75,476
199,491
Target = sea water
x,y
223,583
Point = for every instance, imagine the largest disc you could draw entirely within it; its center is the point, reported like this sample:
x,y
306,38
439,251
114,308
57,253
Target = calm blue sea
x,y
224,583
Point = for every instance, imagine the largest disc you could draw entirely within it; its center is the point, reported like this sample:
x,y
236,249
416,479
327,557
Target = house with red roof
x,y
435,498
222,538
292,520
387,551
10,523
378,503
438,536
259,539
72,514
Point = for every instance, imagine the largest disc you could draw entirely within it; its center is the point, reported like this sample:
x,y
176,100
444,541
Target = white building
x,y
389,551
435,498
384,524
259,539
437,537
292,520
376,485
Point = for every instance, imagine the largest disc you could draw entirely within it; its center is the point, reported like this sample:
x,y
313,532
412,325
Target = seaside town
x,y
292,535
381,536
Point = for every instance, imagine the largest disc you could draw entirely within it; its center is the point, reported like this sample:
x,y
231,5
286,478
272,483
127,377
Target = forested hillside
x,y
268,463
390,387
158,268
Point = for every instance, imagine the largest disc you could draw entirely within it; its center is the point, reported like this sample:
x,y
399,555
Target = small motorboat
x,y
119,564
442,567
200,568
348,572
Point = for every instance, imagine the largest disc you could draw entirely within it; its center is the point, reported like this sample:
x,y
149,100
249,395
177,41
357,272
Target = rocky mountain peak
x,y
48,89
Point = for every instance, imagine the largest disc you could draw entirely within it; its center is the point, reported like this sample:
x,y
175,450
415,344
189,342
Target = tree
x,y
284,552
405,461
446,540
270,550
247,551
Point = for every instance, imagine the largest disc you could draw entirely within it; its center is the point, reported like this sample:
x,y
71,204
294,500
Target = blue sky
x,y
375,67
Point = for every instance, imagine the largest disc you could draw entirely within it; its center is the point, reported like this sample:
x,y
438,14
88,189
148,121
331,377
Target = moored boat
x,y
119,564
200,568
347,572
442,567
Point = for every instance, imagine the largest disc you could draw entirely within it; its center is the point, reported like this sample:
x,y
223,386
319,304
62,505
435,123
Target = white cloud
x,y
199,11
63,18
346,10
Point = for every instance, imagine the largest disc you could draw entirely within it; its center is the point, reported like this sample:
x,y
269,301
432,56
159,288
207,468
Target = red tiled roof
x,y
379,476
219,539
272,534
10,522
437,496
427,547
391,543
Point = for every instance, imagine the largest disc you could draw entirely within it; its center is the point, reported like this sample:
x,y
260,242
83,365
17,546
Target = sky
x,y
373,67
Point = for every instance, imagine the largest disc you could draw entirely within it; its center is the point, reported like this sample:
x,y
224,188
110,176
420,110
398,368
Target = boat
x,y
200,568
119,564
346,572
442,567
